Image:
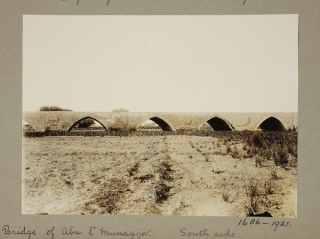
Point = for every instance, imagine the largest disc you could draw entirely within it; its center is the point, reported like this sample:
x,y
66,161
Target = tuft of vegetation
x,y
278,146
293,162
253,194
255,140
281,155
52,108
269,187
258,161
228,149
235,153
225,196
274,173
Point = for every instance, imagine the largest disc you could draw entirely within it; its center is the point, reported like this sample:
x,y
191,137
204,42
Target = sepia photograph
x,y
191,115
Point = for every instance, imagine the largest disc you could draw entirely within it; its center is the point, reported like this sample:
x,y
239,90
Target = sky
x,y
161,63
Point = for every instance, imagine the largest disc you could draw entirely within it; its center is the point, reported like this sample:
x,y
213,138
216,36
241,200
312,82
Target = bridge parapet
x,y
63,120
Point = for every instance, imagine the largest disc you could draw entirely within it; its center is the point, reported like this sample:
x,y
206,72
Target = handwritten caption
x,y
78,2
108,1
53,232
70,231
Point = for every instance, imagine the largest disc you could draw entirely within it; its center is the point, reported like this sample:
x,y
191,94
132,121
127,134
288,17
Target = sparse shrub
x,y
217,171
228,149
225,196
293,149
261,152
268,154
274,173
229,138
269,187
293,162
258,161
253,193
281,156
293,128
250,152
255,140
52,108
235,153
244,147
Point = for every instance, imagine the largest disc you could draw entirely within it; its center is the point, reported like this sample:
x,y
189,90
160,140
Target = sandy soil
x,y
160,175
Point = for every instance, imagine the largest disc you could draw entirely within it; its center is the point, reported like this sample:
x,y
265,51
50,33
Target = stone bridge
x,y
64,120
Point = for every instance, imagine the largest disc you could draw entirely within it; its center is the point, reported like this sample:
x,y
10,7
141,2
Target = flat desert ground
x,y
151,175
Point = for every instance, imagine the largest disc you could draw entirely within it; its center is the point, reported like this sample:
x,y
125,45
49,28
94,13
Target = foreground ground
x,y
154,175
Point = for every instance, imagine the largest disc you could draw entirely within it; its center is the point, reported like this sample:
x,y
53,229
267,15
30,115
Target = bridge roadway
x,y
64,120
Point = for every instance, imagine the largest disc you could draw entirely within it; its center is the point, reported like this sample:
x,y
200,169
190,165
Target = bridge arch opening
x,y
155,123
271,124
218,124
87,123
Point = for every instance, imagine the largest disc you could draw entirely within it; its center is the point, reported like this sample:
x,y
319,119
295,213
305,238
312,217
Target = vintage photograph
x,y
160,115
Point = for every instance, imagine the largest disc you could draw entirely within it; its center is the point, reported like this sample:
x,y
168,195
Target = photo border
x,y
11,17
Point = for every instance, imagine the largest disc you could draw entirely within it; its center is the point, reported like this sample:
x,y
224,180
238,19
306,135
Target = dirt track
x,y
161,175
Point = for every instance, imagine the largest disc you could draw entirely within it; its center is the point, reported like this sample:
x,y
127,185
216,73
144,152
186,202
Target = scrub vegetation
x,y
195,173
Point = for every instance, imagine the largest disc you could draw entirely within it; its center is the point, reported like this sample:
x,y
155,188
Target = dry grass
x,y
226,196
253,193
274,173
160,175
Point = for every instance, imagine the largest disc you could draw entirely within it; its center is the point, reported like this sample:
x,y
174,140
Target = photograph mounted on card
x,y
160,115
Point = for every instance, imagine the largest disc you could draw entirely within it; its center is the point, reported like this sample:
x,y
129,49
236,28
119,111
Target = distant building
x,y
121,110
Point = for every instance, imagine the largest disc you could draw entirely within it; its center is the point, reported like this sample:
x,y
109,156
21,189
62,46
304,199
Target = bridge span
x,y
66,120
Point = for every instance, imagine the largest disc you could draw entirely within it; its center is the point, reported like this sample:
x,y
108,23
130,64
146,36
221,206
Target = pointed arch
x,y
271,123
218,123
164,124
87,117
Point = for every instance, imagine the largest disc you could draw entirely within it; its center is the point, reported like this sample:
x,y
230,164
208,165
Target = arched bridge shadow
x,y
165,125
218,123
271,123
88,117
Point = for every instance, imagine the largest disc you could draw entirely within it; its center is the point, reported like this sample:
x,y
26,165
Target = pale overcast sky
x,y
161,63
